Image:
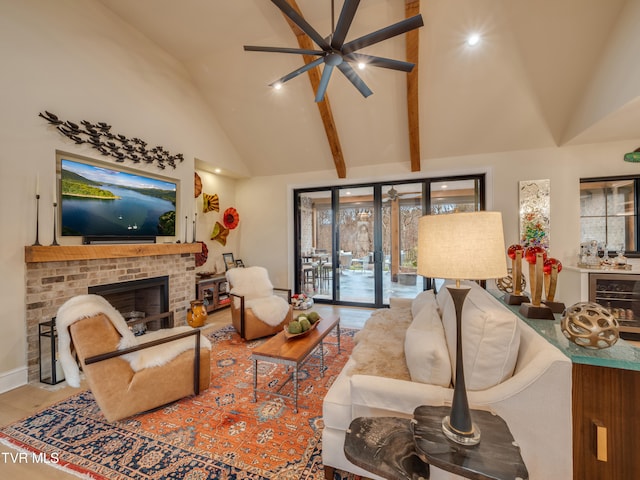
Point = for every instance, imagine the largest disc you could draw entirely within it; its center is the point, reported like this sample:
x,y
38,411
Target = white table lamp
x,y
461,246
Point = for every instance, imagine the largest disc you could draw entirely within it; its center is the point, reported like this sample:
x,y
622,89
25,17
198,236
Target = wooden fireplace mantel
x,y
63,253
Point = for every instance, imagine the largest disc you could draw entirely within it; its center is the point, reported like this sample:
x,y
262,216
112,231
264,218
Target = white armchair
x,y
256,311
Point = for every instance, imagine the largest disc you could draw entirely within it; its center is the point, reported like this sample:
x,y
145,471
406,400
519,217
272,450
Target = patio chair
x,y
256,310
345,260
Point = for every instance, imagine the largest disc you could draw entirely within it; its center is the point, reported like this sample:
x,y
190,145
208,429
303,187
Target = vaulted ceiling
x,y
545,73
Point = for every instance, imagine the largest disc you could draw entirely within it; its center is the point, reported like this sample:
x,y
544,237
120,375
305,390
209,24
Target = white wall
x,y
267,234
76,59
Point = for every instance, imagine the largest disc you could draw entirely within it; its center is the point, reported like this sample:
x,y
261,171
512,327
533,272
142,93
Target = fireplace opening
x,y
143,303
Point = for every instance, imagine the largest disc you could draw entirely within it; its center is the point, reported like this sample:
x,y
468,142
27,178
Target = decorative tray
x,y
302,334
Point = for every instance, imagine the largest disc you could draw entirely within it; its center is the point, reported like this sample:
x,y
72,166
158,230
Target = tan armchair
x,y
129,375
256,310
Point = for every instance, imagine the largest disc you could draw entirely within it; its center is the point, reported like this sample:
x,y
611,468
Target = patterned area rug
x,y
220,434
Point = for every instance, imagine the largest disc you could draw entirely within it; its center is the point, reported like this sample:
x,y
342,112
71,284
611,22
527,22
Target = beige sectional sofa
x,y
405,355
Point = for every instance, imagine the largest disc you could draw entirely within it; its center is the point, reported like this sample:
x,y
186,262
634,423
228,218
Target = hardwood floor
x,y
29,399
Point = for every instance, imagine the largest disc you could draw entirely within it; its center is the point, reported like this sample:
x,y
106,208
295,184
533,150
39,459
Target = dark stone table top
x,y
400,449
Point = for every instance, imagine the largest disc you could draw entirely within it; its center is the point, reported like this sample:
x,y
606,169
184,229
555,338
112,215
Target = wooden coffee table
x,y
293,352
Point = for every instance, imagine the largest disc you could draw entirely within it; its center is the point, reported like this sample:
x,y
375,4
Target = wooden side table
x,y
398,449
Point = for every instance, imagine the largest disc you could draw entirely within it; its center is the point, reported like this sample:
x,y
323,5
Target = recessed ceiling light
x,y
217,170
473,39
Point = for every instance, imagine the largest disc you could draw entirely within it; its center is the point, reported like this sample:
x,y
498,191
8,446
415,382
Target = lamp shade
x,y
462,246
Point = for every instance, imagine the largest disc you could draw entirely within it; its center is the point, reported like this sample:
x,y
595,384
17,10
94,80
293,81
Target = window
x,y
357,244
609,212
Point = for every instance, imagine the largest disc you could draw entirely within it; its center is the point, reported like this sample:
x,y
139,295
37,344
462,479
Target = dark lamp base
x,y
463,438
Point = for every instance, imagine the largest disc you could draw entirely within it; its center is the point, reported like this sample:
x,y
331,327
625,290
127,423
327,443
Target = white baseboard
x,y
13,379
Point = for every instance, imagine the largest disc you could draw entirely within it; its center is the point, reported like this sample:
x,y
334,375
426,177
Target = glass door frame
x,y
378,254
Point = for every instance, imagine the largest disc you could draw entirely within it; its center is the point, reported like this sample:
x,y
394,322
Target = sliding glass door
x,y
402,206
356,226
357,245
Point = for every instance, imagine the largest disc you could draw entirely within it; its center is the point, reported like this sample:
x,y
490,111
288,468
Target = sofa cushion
x,y
425,348
490,338
423,299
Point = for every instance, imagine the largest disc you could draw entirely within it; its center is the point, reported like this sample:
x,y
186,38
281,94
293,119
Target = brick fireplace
x,y
54,275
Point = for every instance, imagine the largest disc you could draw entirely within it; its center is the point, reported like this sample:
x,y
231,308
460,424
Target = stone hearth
x,y
50,283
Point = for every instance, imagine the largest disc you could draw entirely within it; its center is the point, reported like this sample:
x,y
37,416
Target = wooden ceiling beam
x,y
411,8
324,106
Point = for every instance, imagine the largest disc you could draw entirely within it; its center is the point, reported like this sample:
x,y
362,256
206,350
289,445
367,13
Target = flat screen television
x,y
112,204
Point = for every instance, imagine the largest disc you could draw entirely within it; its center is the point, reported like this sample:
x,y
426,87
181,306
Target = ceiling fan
x,y
335,52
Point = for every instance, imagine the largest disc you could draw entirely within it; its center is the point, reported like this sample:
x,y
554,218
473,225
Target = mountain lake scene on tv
x,y
101,201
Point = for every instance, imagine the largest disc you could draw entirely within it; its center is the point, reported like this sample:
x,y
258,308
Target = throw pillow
x,y
425,348
490,339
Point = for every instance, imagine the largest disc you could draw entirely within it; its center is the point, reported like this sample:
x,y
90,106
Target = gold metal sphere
x,y
590,325
505,284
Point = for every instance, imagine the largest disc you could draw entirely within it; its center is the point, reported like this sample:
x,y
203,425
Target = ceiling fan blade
x,y
399,28
379,62
354,78
344,22
296,18
300,51
324,81
298,71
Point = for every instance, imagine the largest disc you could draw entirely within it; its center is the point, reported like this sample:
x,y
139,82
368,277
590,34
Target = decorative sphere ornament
x,y
590,325
531,252
549,263
511,251
505,284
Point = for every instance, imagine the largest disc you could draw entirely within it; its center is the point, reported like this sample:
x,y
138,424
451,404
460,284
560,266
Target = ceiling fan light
x,y
277,85
473,39
362,65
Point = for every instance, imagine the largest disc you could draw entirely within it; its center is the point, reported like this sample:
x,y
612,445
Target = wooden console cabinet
x,y
606,423
214,292
605,396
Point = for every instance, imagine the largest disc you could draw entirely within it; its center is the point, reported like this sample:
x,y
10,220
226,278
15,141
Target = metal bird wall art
x,y
117,146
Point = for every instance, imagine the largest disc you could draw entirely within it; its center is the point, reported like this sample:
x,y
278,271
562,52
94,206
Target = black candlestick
x,y
194,228
185,228
37,242
55,241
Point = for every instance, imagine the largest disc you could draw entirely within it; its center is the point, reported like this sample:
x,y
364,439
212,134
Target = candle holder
x,y
536,256
517,297
37,242
552,267
186,227
55,241
193,240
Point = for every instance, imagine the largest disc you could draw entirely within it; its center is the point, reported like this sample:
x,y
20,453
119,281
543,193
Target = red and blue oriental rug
x,y
219,434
